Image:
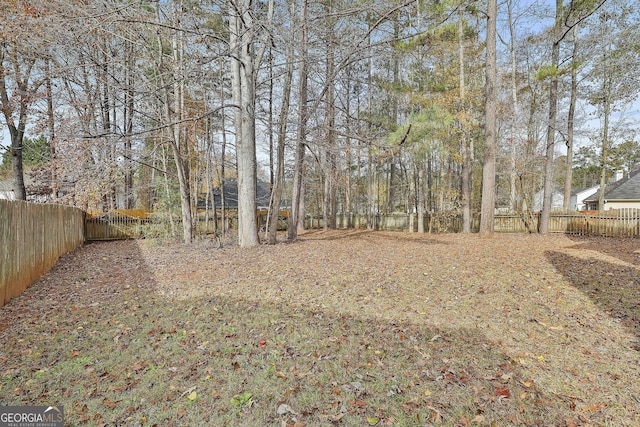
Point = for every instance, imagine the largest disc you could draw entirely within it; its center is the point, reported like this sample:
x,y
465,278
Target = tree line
x,y
339,106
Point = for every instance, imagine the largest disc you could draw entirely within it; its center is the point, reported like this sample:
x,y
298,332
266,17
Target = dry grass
x,y
346,328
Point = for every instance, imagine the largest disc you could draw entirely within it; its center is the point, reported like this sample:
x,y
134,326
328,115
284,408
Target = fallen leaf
x,y
503,392
193,395
570,423
108,403
372,420
595,407
359,403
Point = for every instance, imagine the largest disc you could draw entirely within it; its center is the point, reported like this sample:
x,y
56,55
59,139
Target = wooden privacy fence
x,y
136,223
33,236
619,222
117,224
622,222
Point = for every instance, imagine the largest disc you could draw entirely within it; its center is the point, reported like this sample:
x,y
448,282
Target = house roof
x,y
231,194
628,188
589,190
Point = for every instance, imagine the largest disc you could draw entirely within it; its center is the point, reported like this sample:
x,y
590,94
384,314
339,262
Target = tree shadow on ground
x,y
612,287
95,337
626,249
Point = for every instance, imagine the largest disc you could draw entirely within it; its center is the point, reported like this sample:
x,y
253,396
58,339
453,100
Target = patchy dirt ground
x,y
340,328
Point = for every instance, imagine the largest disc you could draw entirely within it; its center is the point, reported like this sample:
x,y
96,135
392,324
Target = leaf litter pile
x,y
349,328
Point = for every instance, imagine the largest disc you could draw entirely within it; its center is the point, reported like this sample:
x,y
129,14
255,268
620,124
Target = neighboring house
x,y
622,193
6,190
37,183
578,197
231,195
557,200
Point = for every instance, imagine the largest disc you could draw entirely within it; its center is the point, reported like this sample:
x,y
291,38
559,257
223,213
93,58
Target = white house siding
x,y
620,204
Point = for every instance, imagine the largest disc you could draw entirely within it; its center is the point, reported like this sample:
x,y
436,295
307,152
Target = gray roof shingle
x,y
627,188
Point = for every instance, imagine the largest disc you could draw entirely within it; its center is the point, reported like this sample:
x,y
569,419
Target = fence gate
x,y
115,225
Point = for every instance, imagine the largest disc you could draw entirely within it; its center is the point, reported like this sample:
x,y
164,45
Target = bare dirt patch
x,y
346,328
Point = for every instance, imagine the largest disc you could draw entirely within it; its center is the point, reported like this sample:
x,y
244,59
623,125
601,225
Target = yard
x,y
349,328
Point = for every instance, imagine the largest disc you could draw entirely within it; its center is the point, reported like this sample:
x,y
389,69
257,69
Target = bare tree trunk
x,y
180,150
272,172
209,180
165,165
241,27
429,194
568,175
52,133
606,145
551,127
297,204
24,96
109,202
420,192
349,153
325,199
464,135
223,153
606,91
331,138
17,138
515,114
276,192
171,116
391,198
489,167
128,125
370,213
413,196
301,213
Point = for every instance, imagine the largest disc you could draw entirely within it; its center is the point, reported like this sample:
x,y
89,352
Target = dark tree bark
x,y
551,127
297,201
489,168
